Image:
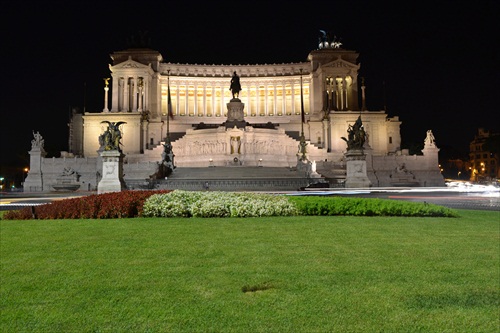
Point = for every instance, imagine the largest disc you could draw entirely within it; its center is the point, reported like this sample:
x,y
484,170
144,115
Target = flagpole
x,y
168,106
302,104
303,142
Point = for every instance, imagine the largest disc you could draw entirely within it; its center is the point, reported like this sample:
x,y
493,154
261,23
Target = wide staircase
x,y
228,179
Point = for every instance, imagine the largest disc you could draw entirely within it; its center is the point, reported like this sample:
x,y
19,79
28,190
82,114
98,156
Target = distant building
x,y
318,100
483,157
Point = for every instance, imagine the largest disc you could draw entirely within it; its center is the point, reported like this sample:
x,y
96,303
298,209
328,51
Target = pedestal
x,y
356,169
112,172
235,116
34,180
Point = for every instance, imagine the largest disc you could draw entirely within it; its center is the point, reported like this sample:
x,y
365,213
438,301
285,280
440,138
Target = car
x,y
315,186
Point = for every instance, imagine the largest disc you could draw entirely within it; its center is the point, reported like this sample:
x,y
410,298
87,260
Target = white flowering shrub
x,y
217,204
172,204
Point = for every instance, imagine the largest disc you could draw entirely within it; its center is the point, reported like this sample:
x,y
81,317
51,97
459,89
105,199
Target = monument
x,y
278,128
112,159
34,180
355,157
235,115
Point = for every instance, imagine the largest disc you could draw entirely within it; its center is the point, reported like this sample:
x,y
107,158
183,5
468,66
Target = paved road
x,y
482,199
475,199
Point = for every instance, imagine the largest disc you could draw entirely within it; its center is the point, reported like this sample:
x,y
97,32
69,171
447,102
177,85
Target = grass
x,y
280,274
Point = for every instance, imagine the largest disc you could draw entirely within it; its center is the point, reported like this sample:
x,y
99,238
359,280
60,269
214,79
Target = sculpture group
x,y
111,138
356,135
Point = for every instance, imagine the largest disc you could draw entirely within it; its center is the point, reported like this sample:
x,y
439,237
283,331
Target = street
x,y
473,197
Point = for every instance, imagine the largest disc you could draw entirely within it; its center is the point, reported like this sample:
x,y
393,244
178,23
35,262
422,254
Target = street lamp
x,y
25,174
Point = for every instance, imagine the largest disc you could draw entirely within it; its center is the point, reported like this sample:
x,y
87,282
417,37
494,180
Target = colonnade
x,y
207,100
337,93
130,94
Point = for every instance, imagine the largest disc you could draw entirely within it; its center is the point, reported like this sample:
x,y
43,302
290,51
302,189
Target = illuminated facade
x,y
483,162
328,83
324,91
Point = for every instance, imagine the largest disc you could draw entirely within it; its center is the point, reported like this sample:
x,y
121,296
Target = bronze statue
x,y
110,139
235,85
356,135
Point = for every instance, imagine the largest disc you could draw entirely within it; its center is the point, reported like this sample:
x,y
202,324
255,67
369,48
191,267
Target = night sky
x,y
433,64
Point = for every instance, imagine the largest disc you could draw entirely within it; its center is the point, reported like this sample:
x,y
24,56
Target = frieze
x,y
242,70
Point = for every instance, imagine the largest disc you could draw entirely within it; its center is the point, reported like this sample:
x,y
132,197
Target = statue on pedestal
x,y
235,115
235,85
430,140
37,142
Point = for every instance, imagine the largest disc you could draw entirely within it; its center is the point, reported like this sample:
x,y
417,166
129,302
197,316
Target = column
x,y
257,100
186,101
213,100
335,97
283,97
106,90
146,95
177,110
266,96
248,112
195,97
341,86
223,108
363,97
126,94
204,100
114,93
120,94
275,106
134,94
140,95
347,95
324,94
330,94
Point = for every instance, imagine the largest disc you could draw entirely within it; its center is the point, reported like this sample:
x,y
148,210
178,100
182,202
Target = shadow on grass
x,y
470,300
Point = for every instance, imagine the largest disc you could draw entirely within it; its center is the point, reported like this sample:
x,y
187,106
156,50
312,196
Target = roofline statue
x,y
326,43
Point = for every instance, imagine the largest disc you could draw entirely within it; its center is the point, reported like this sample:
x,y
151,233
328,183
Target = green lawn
x,y
281,274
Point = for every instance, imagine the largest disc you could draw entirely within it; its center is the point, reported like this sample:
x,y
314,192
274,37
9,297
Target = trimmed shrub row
x,y
178,203
327,206
218,204
123,204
